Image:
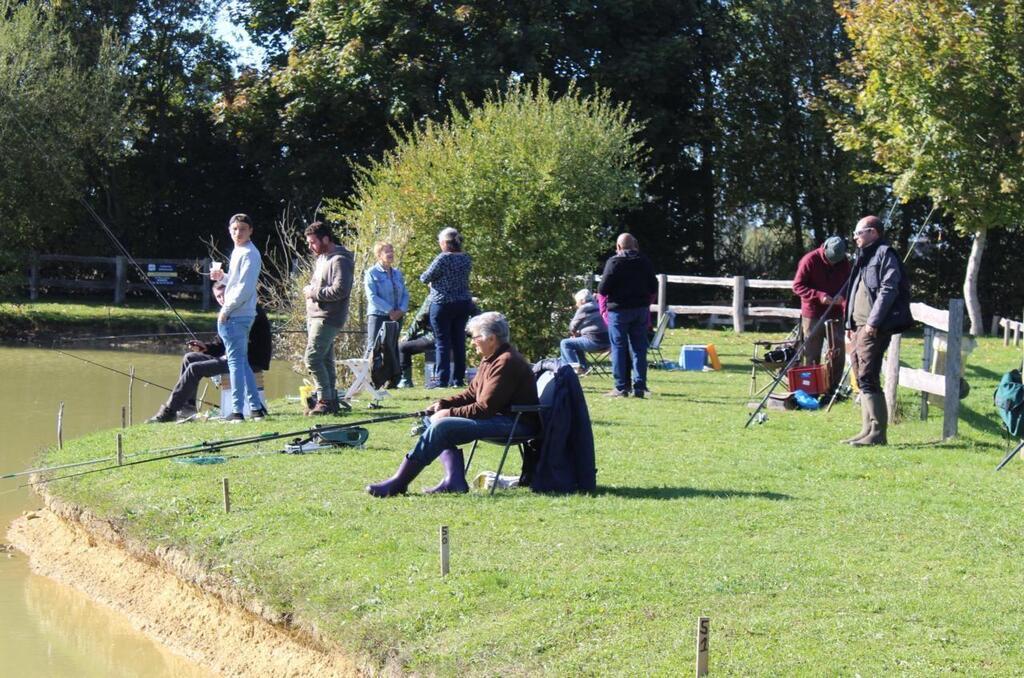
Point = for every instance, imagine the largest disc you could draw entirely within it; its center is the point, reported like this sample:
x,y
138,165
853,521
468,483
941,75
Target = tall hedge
x,y
532,181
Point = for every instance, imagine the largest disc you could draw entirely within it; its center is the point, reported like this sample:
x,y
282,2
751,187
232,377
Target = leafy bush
x,y
531,181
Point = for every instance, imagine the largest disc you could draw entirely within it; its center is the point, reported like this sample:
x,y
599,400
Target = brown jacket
x,y
502,380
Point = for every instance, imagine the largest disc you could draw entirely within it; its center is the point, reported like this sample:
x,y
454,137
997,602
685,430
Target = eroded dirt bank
x,y
171,598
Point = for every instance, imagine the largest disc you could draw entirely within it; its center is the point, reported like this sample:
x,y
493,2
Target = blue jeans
x,y
449,323
453,431
235,335
574,349
627,330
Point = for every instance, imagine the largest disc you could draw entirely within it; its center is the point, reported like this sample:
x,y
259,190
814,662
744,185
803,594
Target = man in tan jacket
x,y
327,296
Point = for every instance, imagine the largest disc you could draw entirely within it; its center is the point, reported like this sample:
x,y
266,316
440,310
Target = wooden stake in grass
x,y
124,417
131,386
120,450
703,630
227,496
60,426
444,550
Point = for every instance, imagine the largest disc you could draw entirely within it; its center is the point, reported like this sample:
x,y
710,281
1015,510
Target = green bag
x,y
1009,402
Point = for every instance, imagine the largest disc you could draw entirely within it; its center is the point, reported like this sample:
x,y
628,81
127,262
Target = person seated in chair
x,y
587,332
482,411
207,359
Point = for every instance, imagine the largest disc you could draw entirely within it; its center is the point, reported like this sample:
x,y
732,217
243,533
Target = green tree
x,y
531,181
60,116
936,91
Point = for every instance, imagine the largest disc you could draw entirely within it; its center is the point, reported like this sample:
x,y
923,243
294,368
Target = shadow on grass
x,y
990,424
664,493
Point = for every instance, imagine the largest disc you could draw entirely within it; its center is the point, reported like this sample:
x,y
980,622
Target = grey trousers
x,y
320,357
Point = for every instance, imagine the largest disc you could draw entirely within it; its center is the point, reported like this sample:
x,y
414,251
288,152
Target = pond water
x,y
47,628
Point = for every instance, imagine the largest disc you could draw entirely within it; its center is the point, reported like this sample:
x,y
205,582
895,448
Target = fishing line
x,y
125,374
116,337
910,250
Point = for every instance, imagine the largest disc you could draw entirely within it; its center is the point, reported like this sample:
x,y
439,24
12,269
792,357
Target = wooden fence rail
x,y
739,313
1011,326
118,282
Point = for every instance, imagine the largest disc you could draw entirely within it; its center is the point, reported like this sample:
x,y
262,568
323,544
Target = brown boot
x,y
323,408
879,414
865,421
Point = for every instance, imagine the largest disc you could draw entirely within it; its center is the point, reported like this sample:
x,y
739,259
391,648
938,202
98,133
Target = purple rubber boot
x,y
454,473
398,483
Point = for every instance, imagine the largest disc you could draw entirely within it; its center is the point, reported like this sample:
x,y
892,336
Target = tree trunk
x,y
971,282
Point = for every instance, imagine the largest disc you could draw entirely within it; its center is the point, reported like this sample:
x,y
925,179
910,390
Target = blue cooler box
x,y
693,357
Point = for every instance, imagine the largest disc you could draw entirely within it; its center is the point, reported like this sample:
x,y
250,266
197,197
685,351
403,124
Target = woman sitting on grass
x,y
484,410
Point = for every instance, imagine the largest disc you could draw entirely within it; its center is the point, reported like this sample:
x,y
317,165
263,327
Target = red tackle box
x,y
812,379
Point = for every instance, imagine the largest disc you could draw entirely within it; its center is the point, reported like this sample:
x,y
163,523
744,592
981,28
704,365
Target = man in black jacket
x,y
879,307
207,360
629,283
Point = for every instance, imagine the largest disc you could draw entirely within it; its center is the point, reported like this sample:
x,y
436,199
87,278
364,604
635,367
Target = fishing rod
x,y
230,443
910,250
99,220
125,374
191,446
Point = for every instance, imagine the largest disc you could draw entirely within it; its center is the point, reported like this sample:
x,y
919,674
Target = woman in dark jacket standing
x,y
450,303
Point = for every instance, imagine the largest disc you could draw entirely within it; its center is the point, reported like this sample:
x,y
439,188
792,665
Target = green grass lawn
x,y
26,319
810,557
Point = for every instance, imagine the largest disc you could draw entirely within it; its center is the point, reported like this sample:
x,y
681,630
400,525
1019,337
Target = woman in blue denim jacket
x,y
450,303
386,295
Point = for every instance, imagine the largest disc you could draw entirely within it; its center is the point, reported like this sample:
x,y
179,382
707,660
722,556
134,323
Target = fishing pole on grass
x,y
99,220
216,446
126,374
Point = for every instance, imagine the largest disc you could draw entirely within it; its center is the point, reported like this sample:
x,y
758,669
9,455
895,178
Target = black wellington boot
x,y
398,483
454,473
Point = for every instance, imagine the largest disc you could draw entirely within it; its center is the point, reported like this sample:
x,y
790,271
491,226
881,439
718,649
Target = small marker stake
x,y
120,450
60,426
703,631
444,550
227,496
124,417
131,386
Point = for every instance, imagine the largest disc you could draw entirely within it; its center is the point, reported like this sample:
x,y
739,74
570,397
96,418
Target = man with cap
x,y
819,281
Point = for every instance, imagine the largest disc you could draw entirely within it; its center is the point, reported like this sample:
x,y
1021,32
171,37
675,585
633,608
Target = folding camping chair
x,y
600,362
545,394
654,357
362,375
773,358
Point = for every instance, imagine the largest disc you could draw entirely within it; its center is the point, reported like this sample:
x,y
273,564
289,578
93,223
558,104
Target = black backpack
x,y
1009,402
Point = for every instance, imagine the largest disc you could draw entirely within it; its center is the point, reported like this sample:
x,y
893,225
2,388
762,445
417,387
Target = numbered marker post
x,y
444,550
120,450
227,495
703,631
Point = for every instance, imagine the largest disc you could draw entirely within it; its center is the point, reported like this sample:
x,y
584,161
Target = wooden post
x,y
33,277
120,279
995,326
60,426
926,364
951,403
131,386
227,495
892,375
120,450
662,295
703,631
1016,333
1006,332
124,417
444,550
206,284
739,284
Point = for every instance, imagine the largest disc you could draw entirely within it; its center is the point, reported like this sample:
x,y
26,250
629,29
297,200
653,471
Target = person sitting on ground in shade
x,y
484,410
587,332
419,338
207,359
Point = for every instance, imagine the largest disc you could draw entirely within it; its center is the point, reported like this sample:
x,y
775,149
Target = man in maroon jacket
x,y
820,278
